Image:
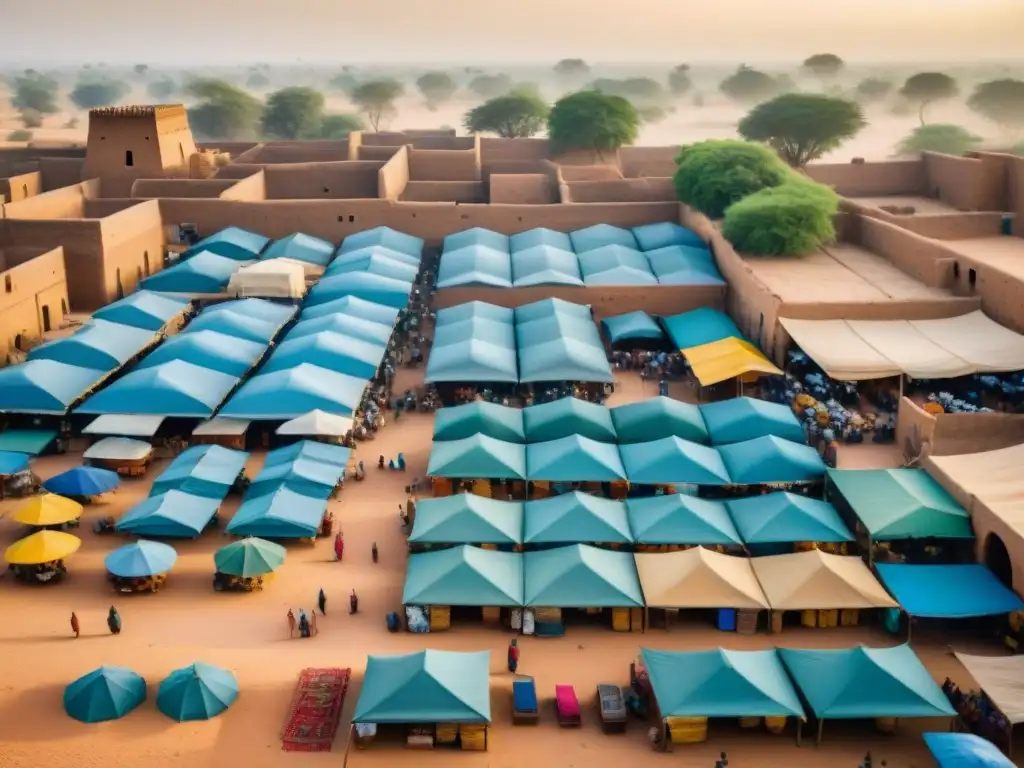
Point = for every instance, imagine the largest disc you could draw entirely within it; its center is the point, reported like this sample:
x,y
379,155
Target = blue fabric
x,y
471,309
545,265
475,328
98,345
261,309
203,273
332,351
197,692
142,309
376,264
782,517
524,696
207,349
615,265
310,478
575,518
348,325
140,559
963,750
673,460
684,265
280,514
566,417
346,257
12,463
83,481
173,389
477,236
948,591
771,460
544,308
364,285
477,457
233,243
581,576
701,326
746,418
472,360
170,515
385,236
354,307
288,394
236,324
464,575
600,235
632,325
561,349
574,459
480,417
313,450
107,693
681,519
30,441
475,265
202,470
532,238
301,247
44,386
666,233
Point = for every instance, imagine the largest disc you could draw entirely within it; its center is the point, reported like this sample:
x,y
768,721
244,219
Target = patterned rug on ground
x,y
316,710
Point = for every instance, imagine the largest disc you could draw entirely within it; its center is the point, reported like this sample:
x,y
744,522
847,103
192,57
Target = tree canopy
x,y
802,126
162,89
749,85
873,89
436,87
714,174
35,91
938,137
294,113
679,81
99,92
517,115
224,111
823,65
926,87
490,86
572,68
338,127
376,98
791,219
639,90
592,120
344,83
1001,101
257,80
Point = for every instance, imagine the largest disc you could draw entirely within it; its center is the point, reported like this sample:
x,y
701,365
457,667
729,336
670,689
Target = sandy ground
x,y
248,633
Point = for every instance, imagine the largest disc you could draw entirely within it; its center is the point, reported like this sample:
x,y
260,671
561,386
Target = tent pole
x,y
799,731
821,727
910,627
647,618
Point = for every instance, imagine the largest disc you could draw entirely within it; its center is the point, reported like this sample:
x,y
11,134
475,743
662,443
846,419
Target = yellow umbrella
x,y
42,547
48,509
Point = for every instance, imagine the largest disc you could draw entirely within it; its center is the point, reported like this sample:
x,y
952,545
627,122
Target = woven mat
x,y
315,710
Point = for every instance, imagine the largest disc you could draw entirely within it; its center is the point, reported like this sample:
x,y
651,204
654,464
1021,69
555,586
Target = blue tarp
x,y
574,459
354,307
333,351
98,345
170,515
659,417
44,386
563,360
314,479
203,273
599,235
965,750
142,309
471,309
365,285
464,575
207,349
746,418
140,559
948,591
653,236
673,460
30,441
477,236
83,481
281,514
376,264
701,326
287,394
531,238
356,327
575,518
234,243
12,463
389,238
632,325
581,576
301,247
173,389
780,517
545,265
480,417
202,470
237,324
466,518
347,257
475,265
771,460
565,417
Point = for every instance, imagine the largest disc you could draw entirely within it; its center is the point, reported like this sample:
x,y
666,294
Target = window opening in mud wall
x,y
46,318
8,287
129,158
181,149
24,191
972,277
18,341
63,307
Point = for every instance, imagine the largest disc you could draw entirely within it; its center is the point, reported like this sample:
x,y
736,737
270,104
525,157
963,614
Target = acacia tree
x,y
824,66
437,88
224,111
517,115
802,126
926,87
294,113
642,90
572,68
873,89
591,120
1001,101
749,85
490,86
938,137
89,94
161,90
34,91
257,81
339,126
679,81
376,98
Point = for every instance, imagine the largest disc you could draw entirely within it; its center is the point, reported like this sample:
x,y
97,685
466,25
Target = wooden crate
x,y
446,733
849,617
746,622
473,737
620,619
750,722
809,618
548,615
828,619
775,724
636,619
492,614
687,730
440,617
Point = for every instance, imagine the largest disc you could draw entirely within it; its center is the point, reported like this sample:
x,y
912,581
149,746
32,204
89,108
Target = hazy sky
x,y
189,32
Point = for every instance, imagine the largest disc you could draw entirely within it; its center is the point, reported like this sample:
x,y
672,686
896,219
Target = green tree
x,y
572,68
377,98
802,126
1017,149
679,81
35,91
938,137
873,89
591,120
1001,101
161,90
31,118
749,86
823,65
140,69
926,87
99,92
343,83
257,81
651,114
712,175
338,127
639,90
436,87
19,135
792,219
294,113
490,86
224,111
514,116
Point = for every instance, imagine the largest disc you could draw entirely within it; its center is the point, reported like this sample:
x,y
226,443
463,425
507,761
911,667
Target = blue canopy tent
x,y
581,576
471,309
237,324
681,519
466,518
721,683
574,459
699,327
575,518
472,360
286,394
746,418
464,575
545,265
44,387
538,236
475,265
359,254
771,460
600,235
174,514
477,457
948,591
207,349
557,325
480,417
672,460
202,470
107,693
965,750
140,559
12,463
261,309
177,389
786,518
97,345
650,237
474,328
385,236
329,350
857,683
538,310
31,441
376,264
632,326
347,325
657,418
364,285
684,265
279,514
311,450
203,273
477,236
143,309
197,692
563,359
565,417
615,265
353,306
305,476
83,481
233,243
300,247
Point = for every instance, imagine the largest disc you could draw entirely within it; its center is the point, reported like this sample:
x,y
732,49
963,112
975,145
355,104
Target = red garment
x,y
339,546
513,653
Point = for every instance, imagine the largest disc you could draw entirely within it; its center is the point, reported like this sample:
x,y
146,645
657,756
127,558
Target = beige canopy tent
x,y
317,423
855,350
993,479
1002,680
816,580
698,578
276,278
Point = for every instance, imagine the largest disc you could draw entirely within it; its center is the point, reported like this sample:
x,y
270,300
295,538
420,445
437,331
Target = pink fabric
x,y
565,698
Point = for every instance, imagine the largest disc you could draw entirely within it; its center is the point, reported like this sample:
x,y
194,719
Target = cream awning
x,y
816,580
317,423
855,350
124,425
993,478
698,578
222,426
1002,679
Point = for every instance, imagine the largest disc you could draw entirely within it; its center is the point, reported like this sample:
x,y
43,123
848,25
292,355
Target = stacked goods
x,y
886,724
804,546
775,724
620,619
441,486
636,619
750,722
619,490
473,737
489,546
809,618
446,733
440,617
482,488
420,737
849,617
687,730
828,619
492,614
777,617
548,615
746,622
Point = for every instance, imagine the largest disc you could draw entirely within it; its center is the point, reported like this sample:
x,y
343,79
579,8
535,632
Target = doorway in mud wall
x,y
46,318
120,288
997,559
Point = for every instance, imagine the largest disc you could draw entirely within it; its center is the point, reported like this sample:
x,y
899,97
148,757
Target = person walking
x,y
513,656
373,552
114,621
74,624
312,623
321,601
353,603
291,623
339,546
303,623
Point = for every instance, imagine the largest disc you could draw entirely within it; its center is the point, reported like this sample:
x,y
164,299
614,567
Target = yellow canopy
x,y
816,580
726,359
48,509
698,578
42,547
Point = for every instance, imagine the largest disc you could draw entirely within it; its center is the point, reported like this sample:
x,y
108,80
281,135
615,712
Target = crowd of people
x,y
979,714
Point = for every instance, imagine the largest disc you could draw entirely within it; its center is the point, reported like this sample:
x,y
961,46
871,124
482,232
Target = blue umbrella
x,y
197,692
11,462
83,481
106,693
143,558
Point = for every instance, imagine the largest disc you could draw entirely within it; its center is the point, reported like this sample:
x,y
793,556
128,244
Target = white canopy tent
x,y
124,425
1002,680
855,350
317,423
275,279
222,426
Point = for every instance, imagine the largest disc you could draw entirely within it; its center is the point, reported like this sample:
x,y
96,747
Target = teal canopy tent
x,y
581,576
300,247
173,514
330,351
657,418
197,692
475,265
747,418
771,460
565,417
44,387
480,417
143,309
231,242
600,235
632,326
467,519
699,327
650,237
207,349
545,265
681,519
672,460
287,394
176,389
781,517
574,459
353,306
477,457
107,693
384,236
279,513
476,236
202,470
98,345
572,518
539,236
464,575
